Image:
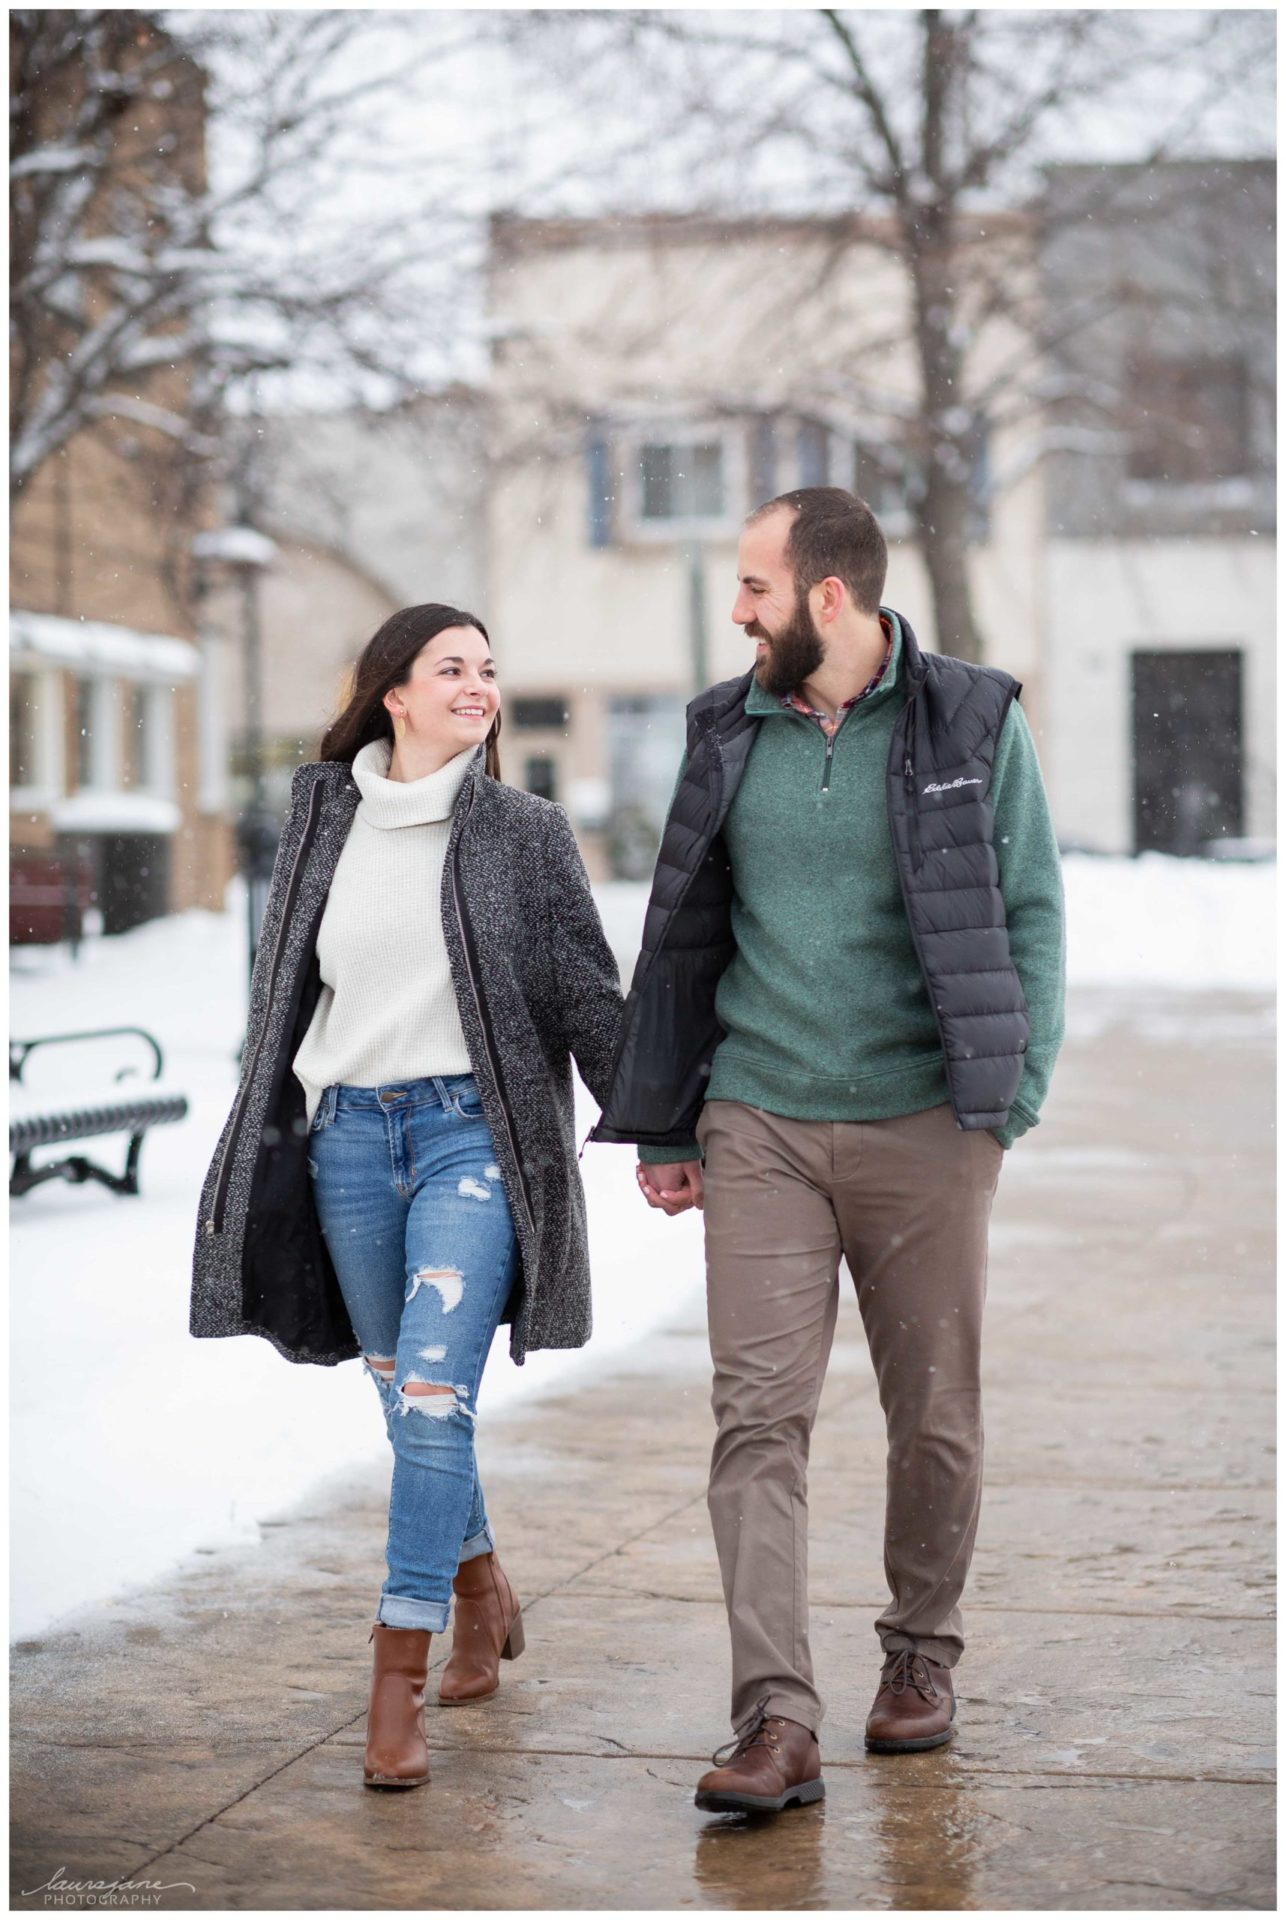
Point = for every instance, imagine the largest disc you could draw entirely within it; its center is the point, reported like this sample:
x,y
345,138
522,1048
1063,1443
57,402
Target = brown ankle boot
x,y
488,1629
774,1764
915,1705
397,1754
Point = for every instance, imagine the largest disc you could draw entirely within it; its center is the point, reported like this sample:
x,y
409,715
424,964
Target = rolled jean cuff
x,y
428,1615
481,1543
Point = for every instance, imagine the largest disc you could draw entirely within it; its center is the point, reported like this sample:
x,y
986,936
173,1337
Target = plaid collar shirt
x,y
827,725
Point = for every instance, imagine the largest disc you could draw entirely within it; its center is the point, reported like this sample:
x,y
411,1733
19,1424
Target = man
x,y
848,1003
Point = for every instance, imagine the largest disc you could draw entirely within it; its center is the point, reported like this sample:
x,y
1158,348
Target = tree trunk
x,y
943,544
943,511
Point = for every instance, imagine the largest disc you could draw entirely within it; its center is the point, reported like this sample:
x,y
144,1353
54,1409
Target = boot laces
x,y
755,1734
908,1669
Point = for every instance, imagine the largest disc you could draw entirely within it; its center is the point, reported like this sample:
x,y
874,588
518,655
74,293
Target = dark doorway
x,y
1188,752
131,875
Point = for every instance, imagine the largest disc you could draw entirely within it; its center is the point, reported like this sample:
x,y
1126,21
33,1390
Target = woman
x,y
398,1173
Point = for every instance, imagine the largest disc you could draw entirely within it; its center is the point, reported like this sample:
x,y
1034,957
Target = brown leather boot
x,y
915,1705
488,1629
397,1754
774,1764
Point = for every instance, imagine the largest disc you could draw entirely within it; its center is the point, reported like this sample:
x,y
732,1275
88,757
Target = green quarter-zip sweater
x,y
823,1005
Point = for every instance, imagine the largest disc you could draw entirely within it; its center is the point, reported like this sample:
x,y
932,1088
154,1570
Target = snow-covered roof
x,y
98,646
109,812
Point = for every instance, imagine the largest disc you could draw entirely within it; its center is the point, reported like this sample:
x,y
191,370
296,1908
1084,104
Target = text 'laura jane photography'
x,y
59,1891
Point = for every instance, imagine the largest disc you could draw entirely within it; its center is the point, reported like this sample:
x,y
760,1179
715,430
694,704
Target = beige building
x,y
654,380
111,769
110,764
1159,555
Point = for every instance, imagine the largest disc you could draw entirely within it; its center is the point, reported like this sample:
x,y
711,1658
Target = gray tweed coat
x,y
535,983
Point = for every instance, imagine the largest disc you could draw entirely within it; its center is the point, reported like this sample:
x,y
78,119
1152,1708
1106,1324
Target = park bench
x,y
39,1119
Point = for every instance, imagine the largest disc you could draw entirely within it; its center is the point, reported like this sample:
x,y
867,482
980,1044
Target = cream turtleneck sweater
x,y
387,1008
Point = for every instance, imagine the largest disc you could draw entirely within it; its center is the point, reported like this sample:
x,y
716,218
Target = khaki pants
x,y
907,1201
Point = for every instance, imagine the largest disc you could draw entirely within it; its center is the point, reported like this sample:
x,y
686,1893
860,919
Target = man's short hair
x,y
832,532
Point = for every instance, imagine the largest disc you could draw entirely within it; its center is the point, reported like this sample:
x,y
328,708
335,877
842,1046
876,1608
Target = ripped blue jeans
x,y
417,1222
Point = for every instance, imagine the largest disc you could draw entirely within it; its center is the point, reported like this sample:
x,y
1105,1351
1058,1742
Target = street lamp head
x,y
240,547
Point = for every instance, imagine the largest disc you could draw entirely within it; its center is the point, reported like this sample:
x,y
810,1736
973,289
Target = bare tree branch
x,y
870,98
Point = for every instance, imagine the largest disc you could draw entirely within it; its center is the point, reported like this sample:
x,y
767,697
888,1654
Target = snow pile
x,y
1206,925
1162,922
170,1443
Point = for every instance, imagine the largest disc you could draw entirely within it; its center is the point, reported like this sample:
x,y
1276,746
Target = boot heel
x,y
516,1642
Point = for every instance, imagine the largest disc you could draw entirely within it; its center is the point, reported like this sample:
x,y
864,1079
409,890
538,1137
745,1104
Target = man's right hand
x,y
673,1188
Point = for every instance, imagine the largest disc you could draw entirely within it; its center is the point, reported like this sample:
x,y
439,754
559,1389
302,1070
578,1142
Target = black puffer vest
x,y
941,822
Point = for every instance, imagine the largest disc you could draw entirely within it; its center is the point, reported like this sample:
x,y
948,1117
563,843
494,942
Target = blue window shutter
x,y
763,462
598,476
813,450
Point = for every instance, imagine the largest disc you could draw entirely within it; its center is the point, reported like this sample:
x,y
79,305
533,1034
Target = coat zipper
x,y
908,779
908,784
913,817
486,1036
213,1224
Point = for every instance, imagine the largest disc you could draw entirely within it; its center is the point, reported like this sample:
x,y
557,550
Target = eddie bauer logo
x,y
945,786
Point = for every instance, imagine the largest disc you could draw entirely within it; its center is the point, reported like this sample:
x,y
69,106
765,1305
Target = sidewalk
x,y
1115,1744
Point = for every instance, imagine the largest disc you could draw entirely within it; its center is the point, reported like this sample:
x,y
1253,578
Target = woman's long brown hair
x,y
385,662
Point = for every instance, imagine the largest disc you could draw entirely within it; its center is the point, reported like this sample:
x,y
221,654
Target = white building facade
x,y
1160,552
657,378
654,381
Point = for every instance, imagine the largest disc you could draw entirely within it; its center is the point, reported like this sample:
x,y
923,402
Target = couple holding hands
x,y
847,1006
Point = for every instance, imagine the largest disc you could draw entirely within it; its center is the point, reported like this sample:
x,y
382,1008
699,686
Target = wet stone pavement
x,y
1115,1743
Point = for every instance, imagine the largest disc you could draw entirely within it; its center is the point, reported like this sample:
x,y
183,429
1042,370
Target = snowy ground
x,y
154,1444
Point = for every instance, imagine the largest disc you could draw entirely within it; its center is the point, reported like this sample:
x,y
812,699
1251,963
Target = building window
x,y
85,700
136,736
547,711
35,736
880,479
645,734
97,759
23,731
1189,418
150,731
540,775
813,451
682,481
